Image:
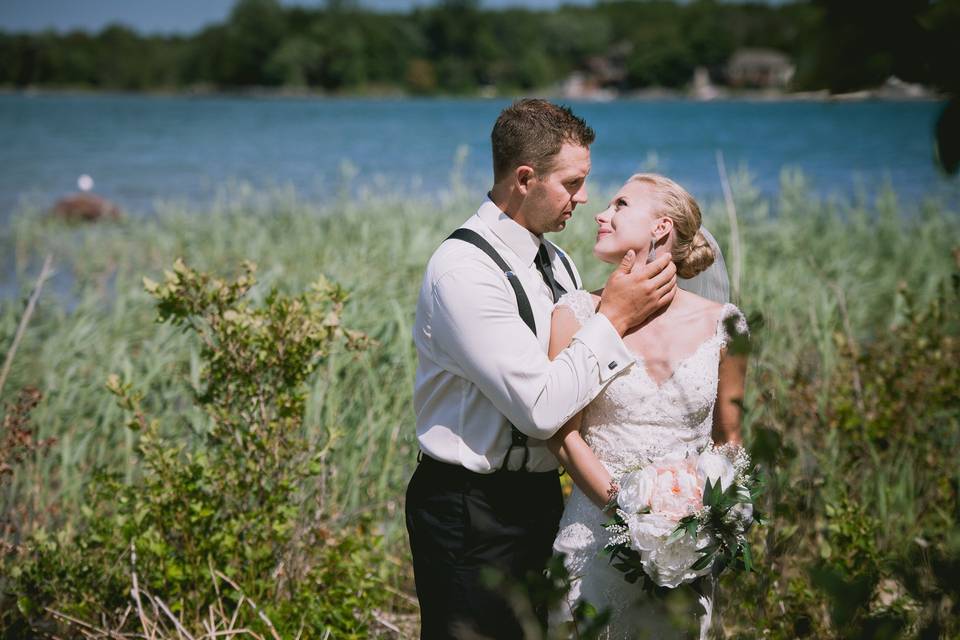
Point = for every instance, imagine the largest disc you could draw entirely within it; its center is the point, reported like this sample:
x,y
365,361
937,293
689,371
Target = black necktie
x,y
543,266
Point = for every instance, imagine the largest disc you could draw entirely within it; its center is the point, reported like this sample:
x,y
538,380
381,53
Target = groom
x,y
486,492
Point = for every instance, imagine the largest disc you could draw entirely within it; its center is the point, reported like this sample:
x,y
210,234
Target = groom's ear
x,y
524,175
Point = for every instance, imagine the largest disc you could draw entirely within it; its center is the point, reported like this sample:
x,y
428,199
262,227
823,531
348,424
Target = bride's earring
x,y
652,254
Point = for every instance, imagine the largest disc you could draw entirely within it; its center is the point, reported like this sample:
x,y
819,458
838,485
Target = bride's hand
x,y
634,292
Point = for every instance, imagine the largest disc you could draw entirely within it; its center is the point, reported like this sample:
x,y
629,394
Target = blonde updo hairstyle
x,y
691,251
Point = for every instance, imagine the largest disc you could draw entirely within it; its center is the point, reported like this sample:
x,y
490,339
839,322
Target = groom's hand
x,y
634,292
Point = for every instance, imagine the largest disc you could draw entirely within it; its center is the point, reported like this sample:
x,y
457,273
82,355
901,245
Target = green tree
x,y
254,30
852,53
298,62
660,57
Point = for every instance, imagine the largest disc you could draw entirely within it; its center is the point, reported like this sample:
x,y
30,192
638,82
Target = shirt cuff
x,y
599,336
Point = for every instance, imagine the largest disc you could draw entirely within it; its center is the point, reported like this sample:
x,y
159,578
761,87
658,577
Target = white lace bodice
x,y
634,418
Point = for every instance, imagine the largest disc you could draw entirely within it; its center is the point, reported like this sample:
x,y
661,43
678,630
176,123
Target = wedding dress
x,y
635,418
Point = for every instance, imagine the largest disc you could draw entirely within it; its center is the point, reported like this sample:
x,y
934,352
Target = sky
x,y
172,16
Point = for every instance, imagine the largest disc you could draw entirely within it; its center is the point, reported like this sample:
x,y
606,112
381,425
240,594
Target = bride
x,y
683,390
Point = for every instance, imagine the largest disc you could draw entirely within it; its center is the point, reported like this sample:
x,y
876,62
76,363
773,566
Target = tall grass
x,y
813,267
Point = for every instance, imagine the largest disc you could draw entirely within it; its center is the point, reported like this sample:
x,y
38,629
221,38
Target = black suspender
x,y
566,265
518,438
523,303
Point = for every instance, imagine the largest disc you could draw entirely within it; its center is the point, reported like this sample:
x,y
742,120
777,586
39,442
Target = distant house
x,y
582,86
601,77
759,69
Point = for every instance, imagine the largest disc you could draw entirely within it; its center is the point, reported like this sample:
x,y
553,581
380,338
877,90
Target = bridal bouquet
x,y
680,518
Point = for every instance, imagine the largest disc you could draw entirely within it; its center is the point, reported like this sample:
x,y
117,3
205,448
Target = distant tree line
x,y
457,47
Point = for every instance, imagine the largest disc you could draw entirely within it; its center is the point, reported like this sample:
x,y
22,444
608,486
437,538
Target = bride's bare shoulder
x,y
703,307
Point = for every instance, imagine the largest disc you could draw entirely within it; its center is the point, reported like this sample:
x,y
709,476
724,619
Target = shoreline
x,y
878,94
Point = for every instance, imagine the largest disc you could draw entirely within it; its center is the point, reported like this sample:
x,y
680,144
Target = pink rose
x,y
677,490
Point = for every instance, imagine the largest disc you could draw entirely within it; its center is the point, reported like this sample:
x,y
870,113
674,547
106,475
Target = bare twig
x,y
236,612
72,620
45,273
260,614
123,618
85,628
406,597
735,251
216,588
176,622
386,623
135,592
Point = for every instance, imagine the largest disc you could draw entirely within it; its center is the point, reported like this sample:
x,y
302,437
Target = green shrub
x,y
863,541
238,509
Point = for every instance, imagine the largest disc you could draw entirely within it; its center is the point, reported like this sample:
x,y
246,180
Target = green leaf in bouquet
x,y
631,568
687,525
724,504
720,563
727,499
711,493
730,544
704,560
747,557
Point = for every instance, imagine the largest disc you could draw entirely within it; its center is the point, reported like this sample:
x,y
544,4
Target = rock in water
x,y
85,207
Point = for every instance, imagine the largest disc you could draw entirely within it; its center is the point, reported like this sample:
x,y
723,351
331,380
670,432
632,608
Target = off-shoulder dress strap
x,y
732,323
580,302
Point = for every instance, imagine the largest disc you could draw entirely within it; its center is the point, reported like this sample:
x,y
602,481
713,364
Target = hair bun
x,y
699,256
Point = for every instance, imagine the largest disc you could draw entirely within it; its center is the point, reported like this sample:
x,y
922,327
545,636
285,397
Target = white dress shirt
x,y
481,368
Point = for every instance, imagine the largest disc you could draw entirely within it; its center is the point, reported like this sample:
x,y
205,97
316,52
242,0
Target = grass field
x,y
828,276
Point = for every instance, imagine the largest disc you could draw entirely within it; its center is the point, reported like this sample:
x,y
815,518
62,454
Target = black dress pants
x,y
461,522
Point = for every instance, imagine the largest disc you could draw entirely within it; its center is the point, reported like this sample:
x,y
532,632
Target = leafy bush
x,y
18,444
864,540
235,516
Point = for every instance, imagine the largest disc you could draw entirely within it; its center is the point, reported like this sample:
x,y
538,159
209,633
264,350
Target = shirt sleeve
x,y
478,334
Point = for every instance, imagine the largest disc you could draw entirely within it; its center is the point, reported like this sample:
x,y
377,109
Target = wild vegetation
x,y
190,456
457,47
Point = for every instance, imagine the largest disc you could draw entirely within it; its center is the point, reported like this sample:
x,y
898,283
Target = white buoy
x,y
85,182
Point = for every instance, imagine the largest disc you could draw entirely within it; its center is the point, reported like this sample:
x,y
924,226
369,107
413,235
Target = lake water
x,y
140,149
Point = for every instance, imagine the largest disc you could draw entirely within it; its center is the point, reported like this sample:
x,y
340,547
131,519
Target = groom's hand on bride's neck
x,y
634,291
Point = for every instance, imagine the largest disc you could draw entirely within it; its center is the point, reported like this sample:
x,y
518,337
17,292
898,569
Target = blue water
x,y
140,149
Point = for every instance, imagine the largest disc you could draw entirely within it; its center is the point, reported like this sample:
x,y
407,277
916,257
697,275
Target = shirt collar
x,y
519,239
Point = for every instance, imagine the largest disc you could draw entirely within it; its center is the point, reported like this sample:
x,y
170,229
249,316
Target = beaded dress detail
x,y
632,419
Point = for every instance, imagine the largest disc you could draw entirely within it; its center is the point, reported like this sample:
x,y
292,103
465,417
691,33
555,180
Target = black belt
x,y
457,471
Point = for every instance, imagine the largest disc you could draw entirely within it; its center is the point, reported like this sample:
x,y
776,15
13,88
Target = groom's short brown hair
x,y
531,132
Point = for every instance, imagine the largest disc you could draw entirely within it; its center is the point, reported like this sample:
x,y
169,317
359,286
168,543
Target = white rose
x,y
716,468
636,488
669,565
649,531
